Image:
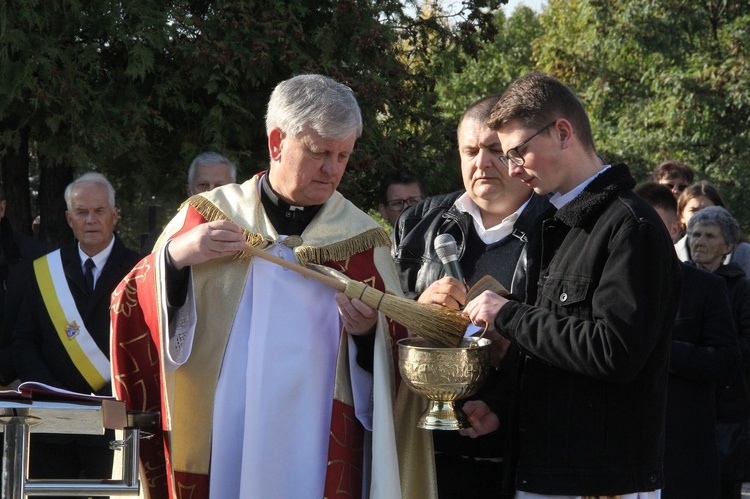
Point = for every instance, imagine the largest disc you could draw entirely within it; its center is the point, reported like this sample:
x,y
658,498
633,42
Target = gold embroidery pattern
x,y
124,298
346,467
134,349
152,479
185,491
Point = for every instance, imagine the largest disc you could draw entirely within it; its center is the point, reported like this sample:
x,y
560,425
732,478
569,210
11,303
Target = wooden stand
x,y
19,418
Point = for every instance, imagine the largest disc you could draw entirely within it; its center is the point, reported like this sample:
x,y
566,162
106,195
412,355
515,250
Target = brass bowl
x,y
444,375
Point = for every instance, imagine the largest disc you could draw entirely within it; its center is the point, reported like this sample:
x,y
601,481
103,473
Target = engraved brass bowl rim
x,y
471,352
473,343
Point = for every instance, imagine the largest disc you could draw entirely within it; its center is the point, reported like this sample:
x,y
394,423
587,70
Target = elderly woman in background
x,y
712,234
693,199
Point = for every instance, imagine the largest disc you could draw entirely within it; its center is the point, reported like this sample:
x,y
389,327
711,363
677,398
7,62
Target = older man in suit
x,y
61,337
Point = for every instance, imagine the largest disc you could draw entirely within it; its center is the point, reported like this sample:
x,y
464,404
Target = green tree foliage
x,y
468,77
463,77
136,89
662,80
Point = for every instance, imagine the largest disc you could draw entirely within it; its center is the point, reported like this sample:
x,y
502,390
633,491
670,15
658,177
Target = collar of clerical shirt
x,y
288,220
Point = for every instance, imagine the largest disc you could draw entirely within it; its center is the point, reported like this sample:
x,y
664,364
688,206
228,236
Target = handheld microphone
x,y
447,251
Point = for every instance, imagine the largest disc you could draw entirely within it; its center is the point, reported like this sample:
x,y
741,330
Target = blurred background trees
x,y
136,89
662,80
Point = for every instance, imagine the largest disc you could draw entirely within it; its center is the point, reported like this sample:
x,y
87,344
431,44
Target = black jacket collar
x,y
598,194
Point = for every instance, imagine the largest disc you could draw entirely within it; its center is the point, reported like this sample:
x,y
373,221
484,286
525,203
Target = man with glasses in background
x,y
399,190
594,331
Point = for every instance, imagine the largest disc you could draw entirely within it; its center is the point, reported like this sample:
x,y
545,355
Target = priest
x,y
270,384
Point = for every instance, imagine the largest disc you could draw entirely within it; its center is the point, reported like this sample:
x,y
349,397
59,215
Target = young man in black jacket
x,y
595,329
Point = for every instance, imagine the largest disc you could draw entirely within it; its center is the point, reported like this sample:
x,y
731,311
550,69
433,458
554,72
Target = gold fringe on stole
x,y
342,250
205,207
211,212
335,252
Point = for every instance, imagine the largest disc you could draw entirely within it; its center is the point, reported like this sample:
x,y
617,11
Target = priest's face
x,y
306,169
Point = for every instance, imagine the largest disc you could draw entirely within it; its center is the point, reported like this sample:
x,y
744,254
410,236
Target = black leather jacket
x,y
418,226
419,266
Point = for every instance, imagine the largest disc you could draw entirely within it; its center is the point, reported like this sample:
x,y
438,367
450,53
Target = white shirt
x,y
100,259
488,235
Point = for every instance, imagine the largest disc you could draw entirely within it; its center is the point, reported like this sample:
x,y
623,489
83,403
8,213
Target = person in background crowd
x,y
605,285
17,251
712,234
275,384
77,280
491,222
704,352
674,175
695,198
398,191
209,170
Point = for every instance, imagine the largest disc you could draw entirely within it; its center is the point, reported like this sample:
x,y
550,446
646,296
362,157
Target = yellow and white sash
x,y
81,347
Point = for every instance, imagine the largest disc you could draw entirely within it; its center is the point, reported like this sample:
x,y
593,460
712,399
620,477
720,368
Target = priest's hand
x,y
447,292
205,242
481,417
359,319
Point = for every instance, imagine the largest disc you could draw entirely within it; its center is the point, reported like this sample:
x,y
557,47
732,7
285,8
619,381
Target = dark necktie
x,y
89,274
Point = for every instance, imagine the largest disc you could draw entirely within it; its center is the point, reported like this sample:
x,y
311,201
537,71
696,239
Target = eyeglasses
x,y
513,156
678,187
400,204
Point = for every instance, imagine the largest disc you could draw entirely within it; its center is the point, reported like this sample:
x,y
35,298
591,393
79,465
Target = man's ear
x,y
275,138
564,131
